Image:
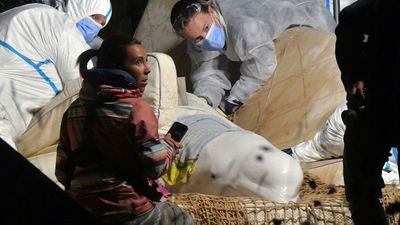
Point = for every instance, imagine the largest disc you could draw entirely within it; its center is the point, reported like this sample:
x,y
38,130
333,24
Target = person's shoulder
x,y
359,7
36,8
135,102
35,13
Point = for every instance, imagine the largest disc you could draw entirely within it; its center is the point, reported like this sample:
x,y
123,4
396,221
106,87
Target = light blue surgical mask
x,y
215,39
89,28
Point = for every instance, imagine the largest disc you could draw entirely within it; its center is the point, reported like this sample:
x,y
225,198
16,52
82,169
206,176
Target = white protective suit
x,y
328,143
78,9
58,4
235,162
39,47
250,28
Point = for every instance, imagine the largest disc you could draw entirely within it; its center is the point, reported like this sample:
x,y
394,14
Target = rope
x,y
319,204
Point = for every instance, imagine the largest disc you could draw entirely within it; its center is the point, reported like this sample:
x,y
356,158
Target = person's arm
x,y
255,71
70,45
209,76
160,151
62,159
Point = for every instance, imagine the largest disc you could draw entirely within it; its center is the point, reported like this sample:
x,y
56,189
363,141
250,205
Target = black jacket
x,y
367,46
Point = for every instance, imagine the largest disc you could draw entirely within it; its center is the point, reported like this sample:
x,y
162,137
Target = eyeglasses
x,y
182,20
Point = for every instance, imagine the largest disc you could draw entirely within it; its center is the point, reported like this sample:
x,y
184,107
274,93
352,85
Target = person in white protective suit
x,y
39,46
58,4
78,10
243,31
328,143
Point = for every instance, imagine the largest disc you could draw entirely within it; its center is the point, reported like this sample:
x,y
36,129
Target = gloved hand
x,y
230,105
288,151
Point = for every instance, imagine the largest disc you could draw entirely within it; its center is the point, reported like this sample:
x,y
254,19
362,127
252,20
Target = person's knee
x,y
175,214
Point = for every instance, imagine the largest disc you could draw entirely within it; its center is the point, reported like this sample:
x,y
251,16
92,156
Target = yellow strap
x,y
179,174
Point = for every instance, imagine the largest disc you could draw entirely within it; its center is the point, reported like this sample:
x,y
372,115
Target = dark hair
x,y
183,11
111,54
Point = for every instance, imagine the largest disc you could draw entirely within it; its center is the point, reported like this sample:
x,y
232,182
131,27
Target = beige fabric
x,y
302,93
210,209
161,91
46,162
319,203
157,35
44,128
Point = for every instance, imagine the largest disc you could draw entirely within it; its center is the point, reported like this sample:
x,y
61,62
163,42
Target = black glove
x,y
288,151
230,105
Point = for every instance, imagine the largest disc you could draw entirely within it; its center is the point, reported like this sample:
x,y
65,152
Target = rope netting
x,y
319,204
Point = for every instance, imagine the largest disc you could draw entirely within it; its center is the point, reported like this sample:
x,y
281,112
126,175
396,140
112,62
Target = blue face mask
x,y
215,39
89,28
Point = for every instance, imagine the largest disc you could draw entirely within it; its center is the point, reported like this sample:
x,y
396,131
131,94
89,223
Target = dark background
x,y
126,15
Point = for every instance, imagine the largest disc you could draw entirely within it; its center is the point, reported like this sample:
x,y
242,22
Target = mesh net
x,y
319,204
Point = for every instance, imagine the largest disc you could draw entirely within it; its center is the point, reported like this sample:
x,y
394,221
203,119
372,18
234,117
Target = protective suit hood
x,y
78,9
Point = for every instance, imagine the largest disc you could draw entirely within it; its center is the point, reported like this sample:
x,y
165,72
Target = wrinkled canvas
x,y
303,92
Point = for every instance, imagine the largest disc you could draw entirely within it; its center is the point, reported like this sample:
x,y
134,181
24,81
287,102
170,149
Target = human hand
x,y
356,96
358,87
230,105
172,142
